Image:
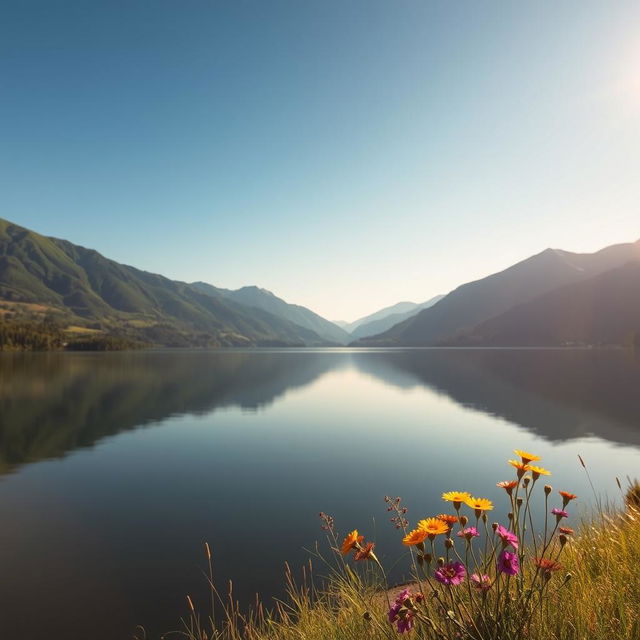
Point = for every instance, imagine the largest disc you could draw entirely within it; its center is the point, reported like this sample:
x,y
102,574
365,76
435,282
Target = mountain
x,y
604,310
380,323
267,301
78,286
476,302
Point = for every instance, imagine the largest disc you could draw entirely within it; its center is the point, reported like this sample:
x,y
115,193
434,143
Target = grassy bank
x,y
473,580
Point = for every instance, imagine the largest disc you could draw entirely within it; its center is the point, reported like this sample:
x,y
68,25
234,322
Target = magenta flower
x,y
508,563
481,581
559,514
452,573
468,533
507,537
400,613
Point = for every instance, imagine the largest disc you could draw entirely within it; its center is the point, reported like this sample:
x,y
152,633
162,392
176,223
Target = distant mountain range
x,y
386,318
554,298
490,311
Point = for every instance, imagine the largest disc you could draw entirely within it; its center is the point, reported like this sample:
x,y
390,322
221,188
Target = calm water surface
x,y
117,467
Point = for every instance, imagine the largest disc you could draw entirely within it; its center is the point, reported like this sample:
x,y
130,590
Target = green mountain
x,y
475,302
78,286
604,310
267,301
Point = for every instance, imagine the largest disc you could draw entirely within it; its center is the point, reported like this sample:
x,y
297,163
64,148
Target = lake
x,y
117,467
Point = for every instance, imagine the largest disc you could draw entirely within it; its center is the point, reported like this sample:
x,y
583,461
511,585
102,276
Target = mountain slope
x,y
80,285
380,324
603,310
475,302
267,301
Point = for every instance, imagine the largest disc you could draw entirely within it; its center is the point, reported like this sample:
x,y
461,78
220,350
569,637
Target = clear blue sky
x,y
345,155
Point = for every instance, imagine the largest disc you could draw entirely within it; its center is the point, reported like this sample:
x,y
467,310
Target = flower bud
x,y
428,558
526,480
563,539
494,526
484,518
448,543
366,615
464,520
420,546
441,562
548,489
519,501
510,515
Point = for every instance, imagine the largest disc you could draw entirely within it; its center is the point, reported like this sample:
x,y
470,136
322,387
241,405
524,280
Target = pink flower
x,y
507,537
508,563
559,514
452,573
481,581
401,612
468,533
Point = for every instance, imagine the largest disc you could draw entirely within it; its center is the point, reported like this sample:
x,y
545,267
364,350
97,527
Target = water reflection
x,y
51,404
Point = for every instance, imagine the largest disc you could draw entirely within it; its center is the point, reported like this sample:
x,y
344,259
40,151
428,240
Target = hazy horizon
x,y
344,157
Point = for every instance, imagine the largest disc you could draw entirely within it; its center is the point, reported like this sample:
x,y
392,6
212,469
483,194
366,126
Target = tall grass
x,y
587,589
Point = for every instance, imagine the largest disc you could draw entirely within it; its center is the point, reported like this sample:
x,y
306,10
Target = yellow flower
x,y
351,541
526,456
479,504
415,537
520,467
537,471
433,527
457,497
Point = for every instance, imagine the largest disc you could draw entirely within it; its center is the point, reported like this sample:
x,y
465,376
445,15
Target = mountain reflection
x,y
54,403
559,394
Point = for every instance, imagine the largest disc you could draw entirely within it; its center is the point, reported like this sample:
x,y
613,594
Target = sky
x,y
344,155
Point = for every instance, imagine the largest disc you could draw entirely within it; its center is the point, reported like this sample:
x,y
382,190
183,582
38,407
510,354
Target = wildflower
x,y
508,563
481,581
538,471
526,456
351,541
452,573
449,519
479,505
559,514
507,485
365,553
548,566
416,536
402,612
457,497
507,537
567,497
433,527
468,533
567,531
520,467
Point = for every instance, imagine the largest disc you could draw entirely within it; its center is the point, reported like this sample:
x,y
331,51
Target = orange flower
x,y
566,530
352,541
365,553
567,497
449,519
479,505
415,537
520,467
526,456
507,485
457,497
547,565
537,471
433,527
